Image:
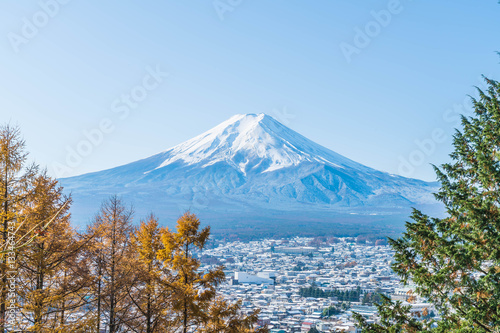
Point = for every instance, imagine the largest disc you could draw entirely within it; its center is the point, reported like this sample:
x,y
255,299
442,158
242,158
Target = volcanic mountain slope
x,y
252,167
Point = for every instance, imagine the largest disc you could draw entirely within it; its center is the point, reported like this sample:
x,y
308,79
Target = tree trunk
x,y
99,296
63,305
148,316
112,305
186,253
39,288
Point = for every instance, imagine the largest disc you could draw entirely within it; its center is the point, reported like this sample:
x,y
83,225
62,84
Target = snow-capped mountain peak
x,y
253,167
252,143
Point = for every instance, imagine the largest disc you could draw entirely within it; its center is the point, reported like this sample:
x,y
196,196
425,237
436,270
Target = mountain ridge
x,y
252,164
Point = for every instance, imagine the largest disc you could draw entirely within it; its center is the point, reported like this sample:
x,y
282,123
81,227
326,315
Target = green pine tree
x,y
455,261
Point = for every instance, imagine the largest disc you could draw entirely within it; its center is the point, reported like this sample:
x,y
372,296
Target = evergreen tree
x,y
330,311
455,261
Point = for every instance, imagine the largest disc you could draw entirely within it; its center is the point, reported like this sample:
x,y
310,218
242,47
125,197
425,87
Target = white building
x,y
245,278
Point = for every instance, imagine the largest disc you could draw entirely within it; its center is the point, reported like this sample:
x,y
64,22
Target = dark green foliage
x,y
455,261
345,296
331,311
394,318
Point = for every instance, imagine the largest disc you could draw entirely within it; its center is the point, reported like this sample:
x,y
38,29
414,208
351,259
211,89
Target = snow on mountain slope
x,y
252,163
252,143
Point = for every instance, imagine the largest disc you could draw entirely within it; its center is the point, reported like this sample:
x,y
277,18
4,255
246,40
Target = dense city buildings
x,y
305,283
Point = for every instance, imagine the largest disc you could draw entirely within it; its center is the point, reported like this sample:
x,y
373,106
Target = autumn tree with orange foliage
x,y
15,186
112,265
114,276
46,295
196,305
150,291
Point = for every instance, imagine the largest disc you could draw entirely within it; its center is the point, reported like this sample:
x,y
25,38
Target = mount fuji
x,y
252,170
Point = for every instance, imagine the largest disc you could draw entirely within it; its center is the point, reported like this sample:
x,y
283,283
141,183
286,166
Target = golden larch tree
x,y
112,264
15,185
47,294
196,305
150,291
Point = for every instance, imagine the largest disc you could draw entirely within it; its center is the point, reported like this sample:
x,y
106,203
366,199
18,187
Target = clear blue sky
x,y
65,69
